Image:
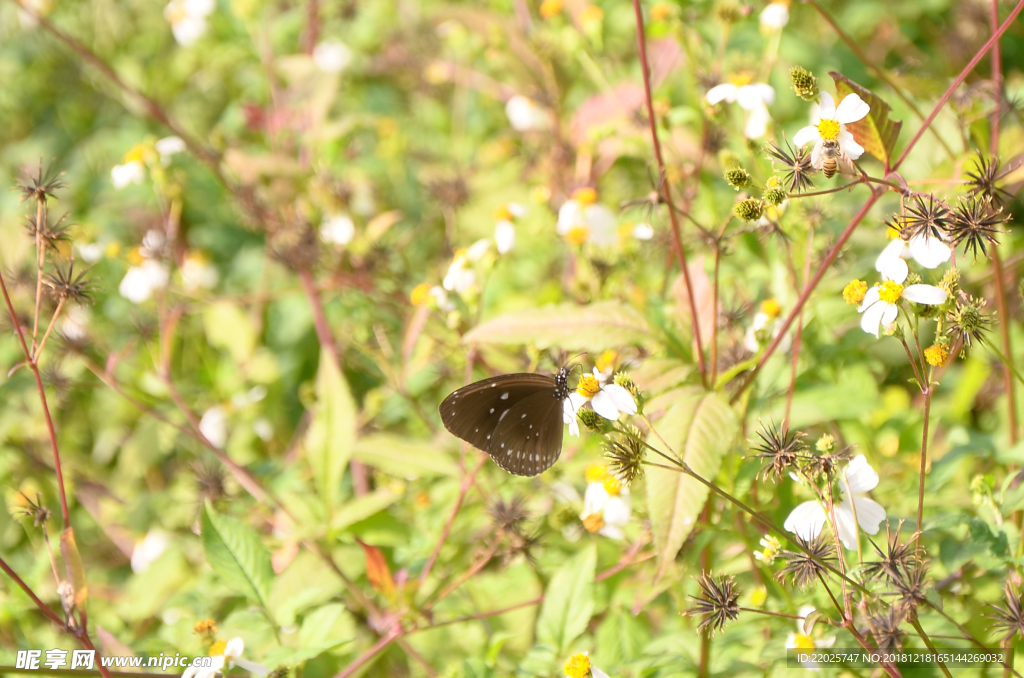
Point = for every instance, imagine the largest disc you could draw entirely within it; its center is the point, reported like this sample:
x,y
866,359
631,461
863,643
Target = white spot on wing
x,y
504,396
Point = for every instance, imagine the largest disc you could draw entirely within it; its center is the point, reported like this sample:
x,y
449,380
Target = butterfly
x,y
515,418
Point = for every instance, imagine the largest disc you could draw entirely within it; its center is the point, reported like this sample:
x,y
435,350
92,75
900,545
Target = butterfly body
x,y
514,418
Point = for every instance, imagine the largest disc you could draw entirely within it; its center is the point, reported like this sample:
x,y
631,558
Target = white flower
x,y
526,115
214,426
338,230
91,252
581,220
198,273
775,16
477,250
224,656
169,146
751,96
569,407
807,519
607,399
332,56
504,236
140,282
607,507
767,317
73,323
460,277
643,232
829,122
188,19
926,250
131,172
149,549
802,640
879,306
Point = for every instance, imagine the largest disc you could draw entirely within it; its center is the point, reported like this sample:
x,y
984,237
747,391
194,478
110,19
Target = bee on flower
x,y
606,504
582,219
753,97
879,307
828,128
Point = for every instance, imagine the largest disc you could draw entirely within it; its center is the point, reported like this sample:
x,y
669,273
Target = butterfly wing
x,y
473,412
528,440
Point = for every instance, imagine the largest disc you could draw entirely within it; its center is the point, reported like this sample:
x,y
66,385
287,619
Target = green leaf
x,y
404,458
228,327
568,602
236,554
701,427
876,132
596,327
332,433
362,508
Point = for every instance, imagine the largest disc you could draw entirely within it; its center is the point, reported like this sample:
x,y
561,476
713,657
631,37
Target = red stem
x,y
677,241
833,253
959,79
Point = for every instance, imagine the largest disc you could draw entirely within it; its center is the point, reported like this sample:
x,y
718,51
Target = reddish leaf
x,y
377,571
876,132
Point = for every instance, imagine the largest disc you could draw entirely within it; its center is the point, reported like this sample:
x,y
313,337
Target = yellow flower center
x,y
773,182
596,474
113,250
854,292
828,129
771,308
550,8
892,231
588,386
459,253
591,14
661,11
136,154
205,626
741,79
606,360
578,666
612,485
802,641
936,355
890,291
218,648
758,596
593,522
420,294
502,214
585,196
577,235
135,257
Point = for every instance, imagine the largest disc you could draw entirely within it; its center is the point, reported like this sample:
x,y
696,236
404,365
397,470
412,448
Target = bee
x,y
830,154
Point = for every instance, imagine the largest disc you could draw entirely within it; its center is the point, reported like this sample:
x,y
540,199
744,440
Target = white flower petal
x,y
234,648
851,109
748,97
643,232
618,511
827,107
894,250
525,115
621,398
872,317
870,297
594,499
815,114
612,532
817,152
766,91
870,514
603,225
757,122
850,147
895,268
332,56
928,251
597,673
604,405
570,215
504,236
806,520
860,476
925,294
889,315
805,136
775,16
844,523
827,641
724,92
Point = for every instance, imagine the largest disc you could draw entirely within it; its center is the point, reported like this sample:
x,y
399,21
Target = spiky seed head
x,y
717,603
748,210
738,178
774,196
804,83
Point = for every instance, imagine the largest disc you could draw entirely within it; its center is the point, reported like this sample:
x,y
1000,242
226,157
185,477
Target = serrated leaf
x,y
332,433
876,132
568,601
237,555
596,327
701,427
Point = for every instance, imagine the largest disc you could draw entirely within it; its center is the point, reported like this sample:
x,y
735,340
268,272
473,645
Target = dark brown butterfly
x,y
515,418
